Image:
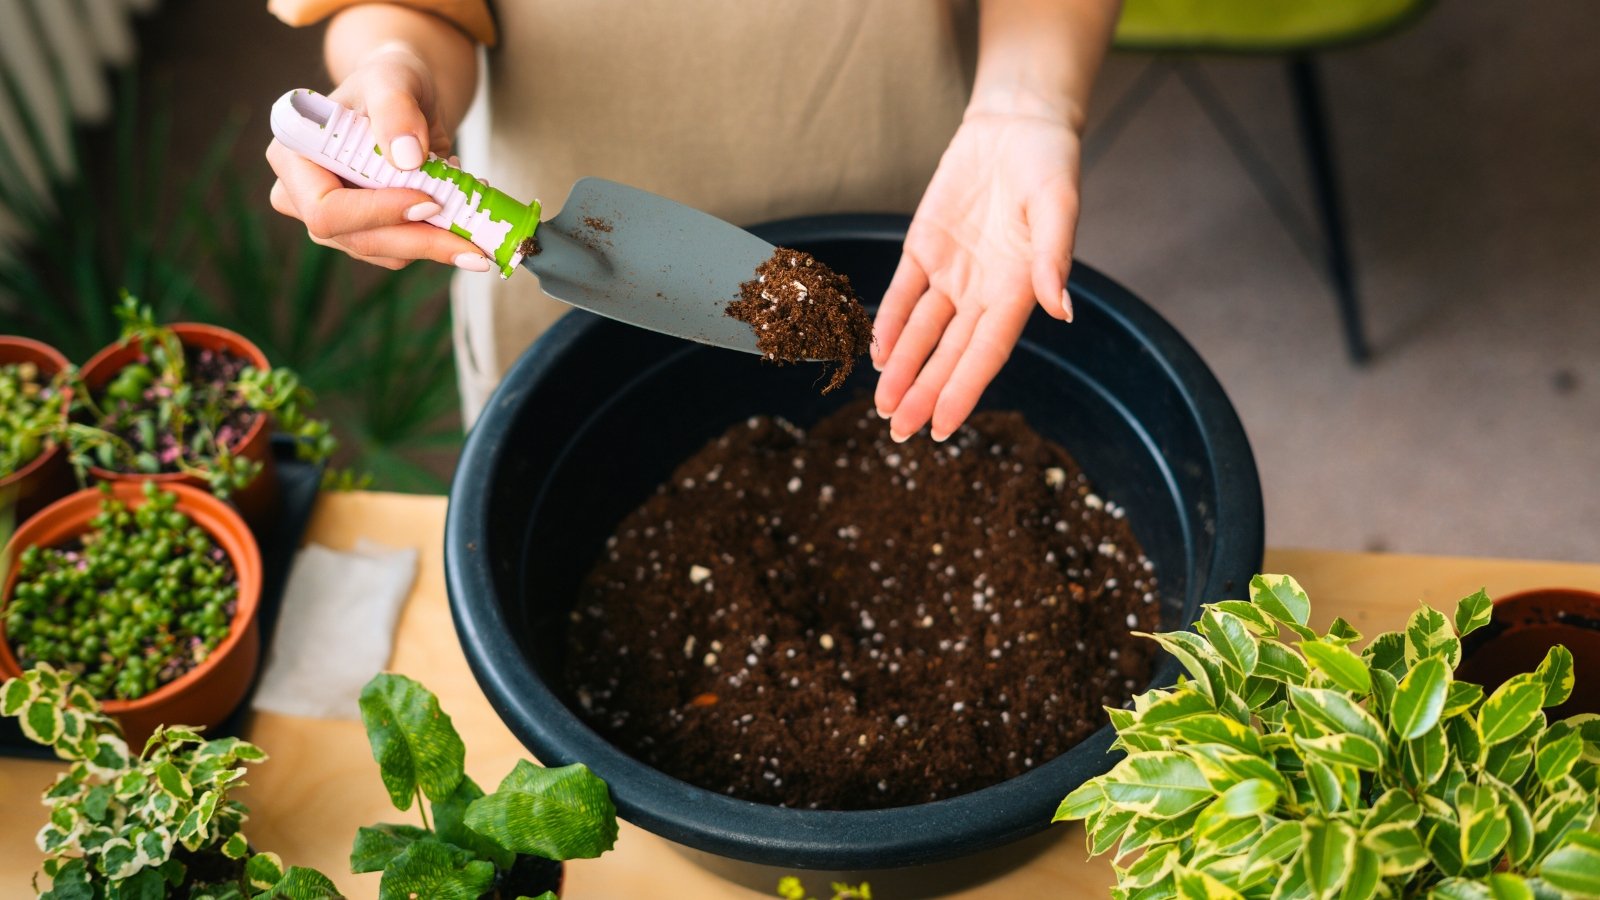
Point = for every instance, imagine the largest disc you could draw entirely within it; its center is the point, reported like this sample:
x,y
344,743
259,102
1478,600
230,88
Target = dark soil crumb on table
x,y
832,620
595,223
801,309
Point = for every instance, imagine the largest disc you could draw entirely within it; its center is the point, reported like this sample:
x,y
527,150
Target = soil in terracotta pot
x,y
801,309
209,374
1503,651
827,619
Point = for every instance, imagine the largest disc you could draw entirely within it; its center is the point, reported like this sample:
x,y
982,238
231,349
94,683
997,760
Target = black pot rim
x,y
819,839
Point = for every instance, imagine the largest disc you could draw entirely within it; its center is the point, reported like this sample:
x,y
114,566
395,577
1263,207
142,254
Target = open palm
x,y
992,235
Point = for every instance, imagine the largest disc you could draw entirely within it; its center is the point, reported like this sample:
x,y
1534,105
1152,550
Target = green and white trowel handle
x,y
340,140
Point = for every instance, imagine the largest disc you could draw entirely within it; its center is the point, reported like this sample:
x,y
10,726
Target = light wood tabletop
x,y
321,783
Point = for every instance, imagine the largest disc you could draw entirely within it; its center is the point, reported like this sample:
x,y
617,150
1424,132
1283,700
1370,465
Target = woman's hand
x,y
412,75
992,236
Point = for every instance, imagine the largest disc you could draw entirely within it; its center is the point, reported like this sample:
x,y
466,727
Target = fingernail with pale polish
x,y
882,414
898,438
424,210
1066,304
405,152
940,438
472,262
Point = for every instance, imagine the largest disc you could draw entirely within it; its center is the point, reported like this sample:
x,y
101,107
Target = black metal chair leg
x,y
1314,137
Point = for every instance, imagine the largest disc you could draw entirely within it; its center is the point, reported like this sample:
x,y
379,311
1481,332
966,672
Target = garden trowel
x,y
614,250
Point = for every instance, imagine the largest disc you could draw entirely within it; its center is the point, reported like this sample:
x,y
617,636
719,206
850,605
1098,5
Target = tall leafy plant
x,y
1288,764
469,848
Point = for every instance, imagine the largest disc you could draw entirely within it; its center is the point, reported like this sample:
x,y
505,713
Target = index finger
x,y
330,208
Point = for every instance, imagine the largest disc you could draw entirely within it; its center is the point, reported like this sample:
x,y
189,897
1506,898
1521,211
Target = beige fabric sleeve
x,y
471,16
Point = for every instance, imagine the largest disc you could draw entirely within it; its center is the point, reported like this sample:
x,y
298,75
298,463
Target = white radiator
x,y
56,61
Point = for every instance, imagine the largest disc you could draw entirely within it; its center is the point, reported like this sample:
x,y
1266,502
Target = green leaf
x,y
1559,815
1197,658
1419,701
1344,750
1342,667
1281,597
1463,696
1574,866
1176,704
1251,797
1513,707
1520,845
376,846
1230,637
1364,876
1555,673
1484,827
1498,886
1108,828
1151,867
1473,612
1442,836
1387,652
1341,632
235,847
1193,884
1329,857
449,824
1337,712
1258,621
41,722
1394,806
14,695
1398,847
1213,729
436,871
1425,758
1428,634
1556,757
1276,846
1276,661
558,814
263,871
1088,799
300,883
412,739
1324,782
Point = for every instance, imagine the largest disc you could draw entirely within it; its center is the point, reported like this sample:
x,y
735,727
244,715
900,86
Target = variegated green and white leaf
x,y
1574,865
1425,758
1503,886
1258,622
1473,612
1513,707
1194,884
1150,868
1279,662
1337,712
1329,857
1398,847
1343,750
1325,786
1463,696
1484,828
1555,672
1232,640
1088,799
1428,633
1342,667
1198,659
1387,651
1566,809
1419,700
1556,756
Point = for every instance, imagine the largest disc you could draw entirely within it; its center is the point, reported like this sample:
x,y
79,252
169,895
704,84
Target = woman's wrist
x,y
1023,102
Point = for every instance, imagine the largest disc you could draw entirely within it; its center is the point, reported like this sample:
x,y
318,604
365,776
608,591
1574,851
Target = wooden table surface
x,y
321,783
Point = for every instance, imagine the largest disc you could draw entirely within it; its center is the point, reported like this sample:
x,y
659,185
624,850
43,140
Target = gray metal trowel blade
x,y
643,259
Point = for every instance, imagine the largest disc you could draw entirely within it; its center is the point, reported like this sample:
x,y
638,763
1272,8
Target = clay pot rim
x,y
217,518
61,364
97,372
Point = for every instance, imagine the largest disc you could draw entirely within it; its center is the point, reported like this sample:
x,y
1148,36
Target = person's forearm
x,y
1040,57
447,55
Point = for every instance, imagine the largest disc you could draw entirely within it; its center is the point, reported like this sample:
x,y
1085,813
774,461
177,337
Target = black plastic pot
x,y
596,414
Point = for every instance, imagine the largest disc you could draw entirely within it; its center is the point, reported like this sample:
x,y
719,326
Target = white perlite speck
x,y
794,485
826,641
1055,476
698,574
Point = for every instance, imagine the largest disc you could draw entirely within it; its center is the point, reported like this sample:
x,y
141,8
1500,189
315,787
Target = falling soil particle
x,y
832,620
529,246
801,309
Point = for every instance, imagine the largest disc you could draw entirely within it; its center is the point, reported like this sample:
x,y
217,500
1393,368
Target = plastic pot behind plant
x,y
1522,630
48,477
597,414
258,501
207,694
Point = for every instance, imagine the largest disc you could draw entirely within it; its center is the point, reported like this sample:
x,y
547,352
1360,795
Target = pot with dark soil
x,y
191,404
1522,629
34,398
146,595
758,609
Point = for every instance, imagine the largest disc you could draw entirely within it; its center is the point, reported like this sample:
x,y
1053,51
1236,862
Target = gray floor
x,y
1470,150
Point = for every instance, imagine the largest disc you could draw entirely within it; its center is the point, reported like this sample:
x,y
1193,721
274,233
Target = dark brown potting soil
x,y
828,619
801,309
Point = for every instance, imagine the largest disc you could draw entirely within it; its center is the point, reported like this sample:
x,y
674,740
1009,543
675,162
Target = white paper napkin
x,y
335,629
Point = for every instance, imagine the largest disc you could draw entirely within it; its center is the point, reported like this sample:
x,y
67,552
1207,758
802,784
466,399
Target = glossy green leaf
x,y
1484,827
1177,704
1513,707
300,883
1365,874
1108,828
1251,797
1277,846
1281,597
449,824
1499,886
1342,667
1212,728
378,845
412,739
1555,757
558,814
1419,701
1151,868
1574,865
1463,696
1473,612
1555,672
1387,652
436,871
1561,813
1194,653
1428,633
1325,786
1398,847
1231,639
1425,758
1337,712
1082,803
1442,836
1277,661
1258,621
1194,884
1329,857
1344,750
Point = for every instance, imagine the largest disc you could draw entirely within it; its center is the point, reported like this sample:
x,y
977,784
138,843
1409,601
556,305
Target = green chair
x,y
1177,30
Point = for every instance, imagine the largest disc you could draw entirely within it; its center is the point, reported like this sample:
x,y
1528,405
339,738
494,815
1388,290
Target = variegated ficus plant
x,y
159,824
1293,764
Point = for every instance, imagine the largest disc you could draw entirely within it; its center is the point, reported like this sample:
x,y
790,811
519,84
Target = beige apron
x,y
749,109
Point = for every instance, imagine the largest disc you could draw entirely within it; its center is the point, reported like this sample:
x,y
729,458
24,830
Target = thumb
x,y
1052,221
398,123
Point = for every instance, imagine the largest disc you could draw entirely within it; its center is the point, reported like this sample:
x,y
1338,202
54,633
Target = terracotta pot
x,y
207,694
258,502
1522,630
49,476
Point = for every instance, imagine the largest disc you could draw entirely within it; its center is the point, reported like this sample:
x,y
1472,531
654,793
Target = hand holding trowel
x,y
613,250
